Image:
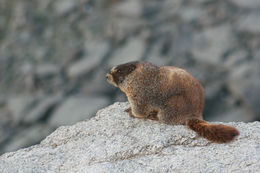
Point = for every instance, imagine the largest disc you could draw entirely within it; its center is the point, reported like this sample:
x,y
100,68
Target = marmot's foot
x,y
129,111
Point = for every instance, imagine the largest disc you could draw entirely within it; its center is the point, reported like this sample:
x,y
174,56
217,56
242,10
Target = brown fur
x,y
167,94
218,133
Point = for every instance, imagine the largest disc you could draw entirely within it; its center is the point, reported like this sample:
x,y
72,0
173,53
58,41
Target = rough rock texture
x,y
114,142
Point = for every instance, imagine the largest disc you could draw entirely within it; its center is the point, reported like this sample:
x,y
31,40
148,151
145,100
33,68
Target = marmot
x,y
169,95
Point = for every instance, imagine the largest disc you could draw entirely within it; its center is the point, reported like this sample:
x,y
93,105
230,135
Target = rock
x,y
95,53
156,57
242,77
44,75
190,13
131,8
161,61
56,46
249,23
236,58
81,67
46,70
114,142
3,135
131,51
77,108
40,110
26,68
18,105
6,125
120,27
247,3
209,48
170,7
27,137
120,97
64,6
222,105
97,84
252,96
233,114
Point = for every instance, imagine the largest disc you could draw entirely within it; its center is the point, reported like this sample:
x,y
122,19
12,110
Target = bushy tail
x,y
218,133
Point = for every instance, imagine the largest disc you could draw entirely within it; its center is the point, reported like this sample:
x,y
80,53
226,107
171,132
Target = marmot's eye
x,y
119,71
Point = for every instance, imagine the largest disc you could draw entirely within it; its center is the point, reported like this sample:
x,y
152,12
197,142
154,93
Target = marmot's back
x,y
183,83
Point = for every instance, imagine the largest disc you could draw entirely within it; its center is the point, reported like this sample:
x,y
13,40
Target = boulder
x,y
206,47
18,106
247,4
114,142
131,51
42,109
95,53
27,136
129,8
76,108
249,23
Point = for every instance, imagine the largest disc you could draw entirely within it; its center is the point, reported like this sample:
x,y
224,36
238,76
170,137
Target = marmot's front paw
x,y
129,111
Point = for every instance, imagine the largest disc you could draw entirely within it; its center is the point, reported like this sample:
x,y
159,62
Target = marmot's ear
x,y
125,69
121,71
132,67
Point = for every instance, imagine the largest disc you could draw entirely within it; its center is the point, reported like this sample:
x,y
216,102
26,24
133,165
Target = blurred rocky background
x,y
54,56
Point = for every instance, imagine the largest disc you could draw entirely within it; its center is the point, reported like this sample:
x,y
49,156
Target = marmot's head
x,y
118,74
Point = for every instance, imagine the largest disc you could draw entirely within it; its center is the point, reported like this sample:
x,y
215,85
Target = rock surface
x,y
114,142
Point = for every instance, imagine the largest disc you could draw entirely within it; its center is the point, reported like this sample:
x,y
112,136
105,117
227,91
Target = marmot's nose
x,y
107,75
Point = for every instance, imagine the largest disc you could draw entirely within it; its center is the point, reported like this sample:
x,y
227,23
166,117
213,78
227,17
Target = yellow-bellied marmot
x,y
167,94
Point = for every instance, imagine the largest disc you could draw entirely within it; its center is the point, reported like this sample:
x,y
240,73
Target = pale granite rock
x,y
249,23
114,142
206,47
132,51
